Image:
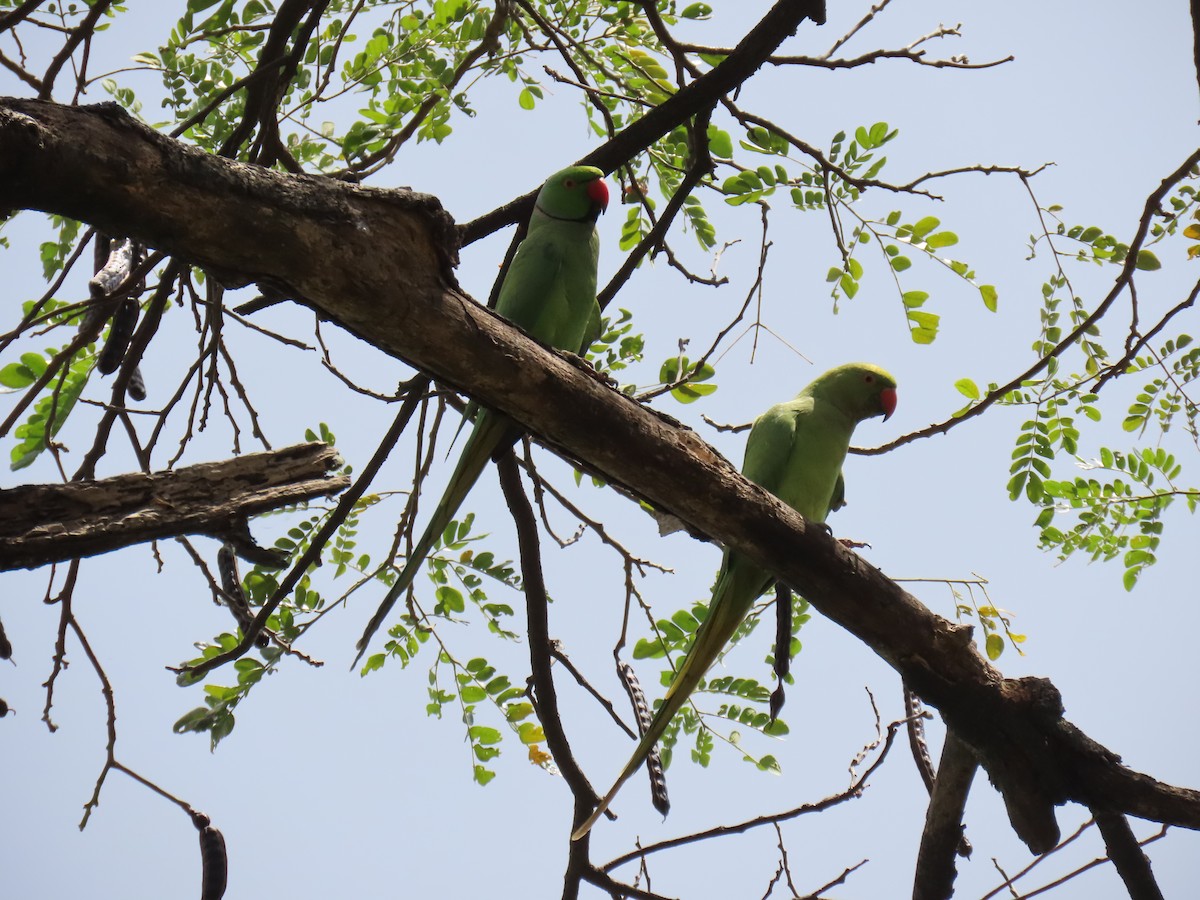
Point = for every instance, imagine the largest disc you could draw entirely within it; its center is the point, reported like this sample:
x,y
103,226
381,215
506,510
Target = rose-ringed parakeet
x,y
550,291
795,451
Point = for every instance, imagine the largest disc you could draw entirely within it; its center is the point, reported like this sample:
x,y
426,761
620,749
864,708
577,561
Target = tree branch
x,y
45,523
943,822
1123,849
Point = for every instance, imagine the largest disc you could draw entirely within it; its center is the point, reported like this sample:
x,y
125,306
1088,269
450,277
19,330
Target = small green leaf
x,y
698,11
925,226
1147,261
994,646
941,239
988,293
531,733
719,142
967,388
483,775
484,735
17,376
526,99
690,393
645,649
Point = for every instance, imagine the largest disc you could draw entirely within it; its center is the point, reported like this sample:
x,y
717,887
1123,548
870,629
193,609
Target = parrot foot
x,y
853,545
582,363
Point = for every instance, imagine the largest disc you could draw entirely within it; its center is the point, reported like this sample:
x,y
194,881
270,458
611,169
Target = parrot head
x,y
575,194
860,390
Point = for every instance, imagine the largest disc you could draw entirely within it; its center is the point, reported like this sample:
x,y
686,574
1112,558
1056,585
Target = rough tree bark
x,y
47,523
324,244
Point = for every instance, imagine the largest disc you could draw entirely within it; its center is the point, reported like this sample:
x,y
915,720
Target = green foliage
x,y
477,682
216,717
617,347
686,378
839,187
1115,511
890,235
1099,248
995,622
51,410
1118,514
292,617
55,253
674,636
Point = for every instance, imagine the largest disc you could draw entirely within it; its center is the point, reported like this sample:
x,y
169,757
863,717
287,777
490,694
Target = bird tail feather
x,y
489,432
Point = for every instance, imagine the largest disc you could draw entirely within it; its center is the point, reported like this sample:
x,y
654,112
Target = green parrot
x,y
550,292
795,451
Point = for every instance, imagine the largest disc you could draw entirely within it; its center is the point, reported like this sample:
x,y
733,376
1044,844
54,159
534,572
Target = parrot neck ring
x,y
591,216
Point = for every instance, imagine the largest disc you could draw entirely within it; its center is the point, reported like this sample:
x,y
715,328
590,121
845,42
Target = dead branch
x,y
47,523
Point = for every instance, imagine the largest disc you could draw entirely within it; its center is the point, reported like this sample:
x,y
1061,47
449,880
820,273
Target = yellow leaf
x,y
539,757
1193,232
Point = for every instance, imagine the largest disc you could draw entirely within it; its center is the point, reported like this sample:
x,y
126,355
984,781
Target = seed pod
x,y
136,387
120,333
235,597
213,858
654,766
5,645
121,260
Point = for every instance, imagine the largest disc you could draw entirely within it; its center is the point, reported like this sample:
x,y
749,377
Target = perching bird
x,y
550,291
795,451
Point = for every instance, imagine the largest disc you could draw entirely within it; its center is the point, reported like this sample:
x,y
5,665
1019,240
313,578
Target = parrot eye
x,y
569,183
869,379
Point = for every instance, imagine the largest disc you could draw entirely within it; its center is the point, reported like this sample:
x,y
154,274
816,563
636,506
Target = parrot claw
x,y
585,364
850,544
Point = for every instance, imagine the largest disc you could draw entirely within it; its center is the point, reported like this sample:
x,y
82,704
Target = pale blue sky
x,y
336,786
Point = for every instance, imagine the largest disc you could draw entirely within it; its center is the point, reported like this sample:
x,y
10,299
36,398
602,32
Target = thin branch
x,y
853,792
310,556
1122,281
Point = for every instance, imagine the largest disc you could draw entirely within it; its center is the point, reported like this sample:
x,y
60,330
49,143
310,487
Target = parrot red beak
x,y
887,399
598,192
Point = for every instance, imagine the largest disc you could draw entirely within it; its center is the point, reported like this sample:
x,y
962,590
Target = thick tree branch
x,y
943,832
376,262
46,523
1131,863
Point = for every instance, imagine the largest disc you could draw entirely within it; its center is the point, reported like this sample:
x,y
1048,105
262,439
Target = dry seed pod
x,y
654,766
137,386
213,858
120,333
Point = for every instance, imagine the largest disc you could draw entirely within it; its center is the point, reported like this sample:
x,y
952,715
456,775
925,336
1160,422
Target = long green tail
x,y
491,430
737,588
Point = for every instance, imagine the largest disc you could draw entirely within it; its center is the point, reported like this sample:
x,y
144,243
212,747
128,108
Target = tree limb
x,y
943,832
47,523
1131,863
